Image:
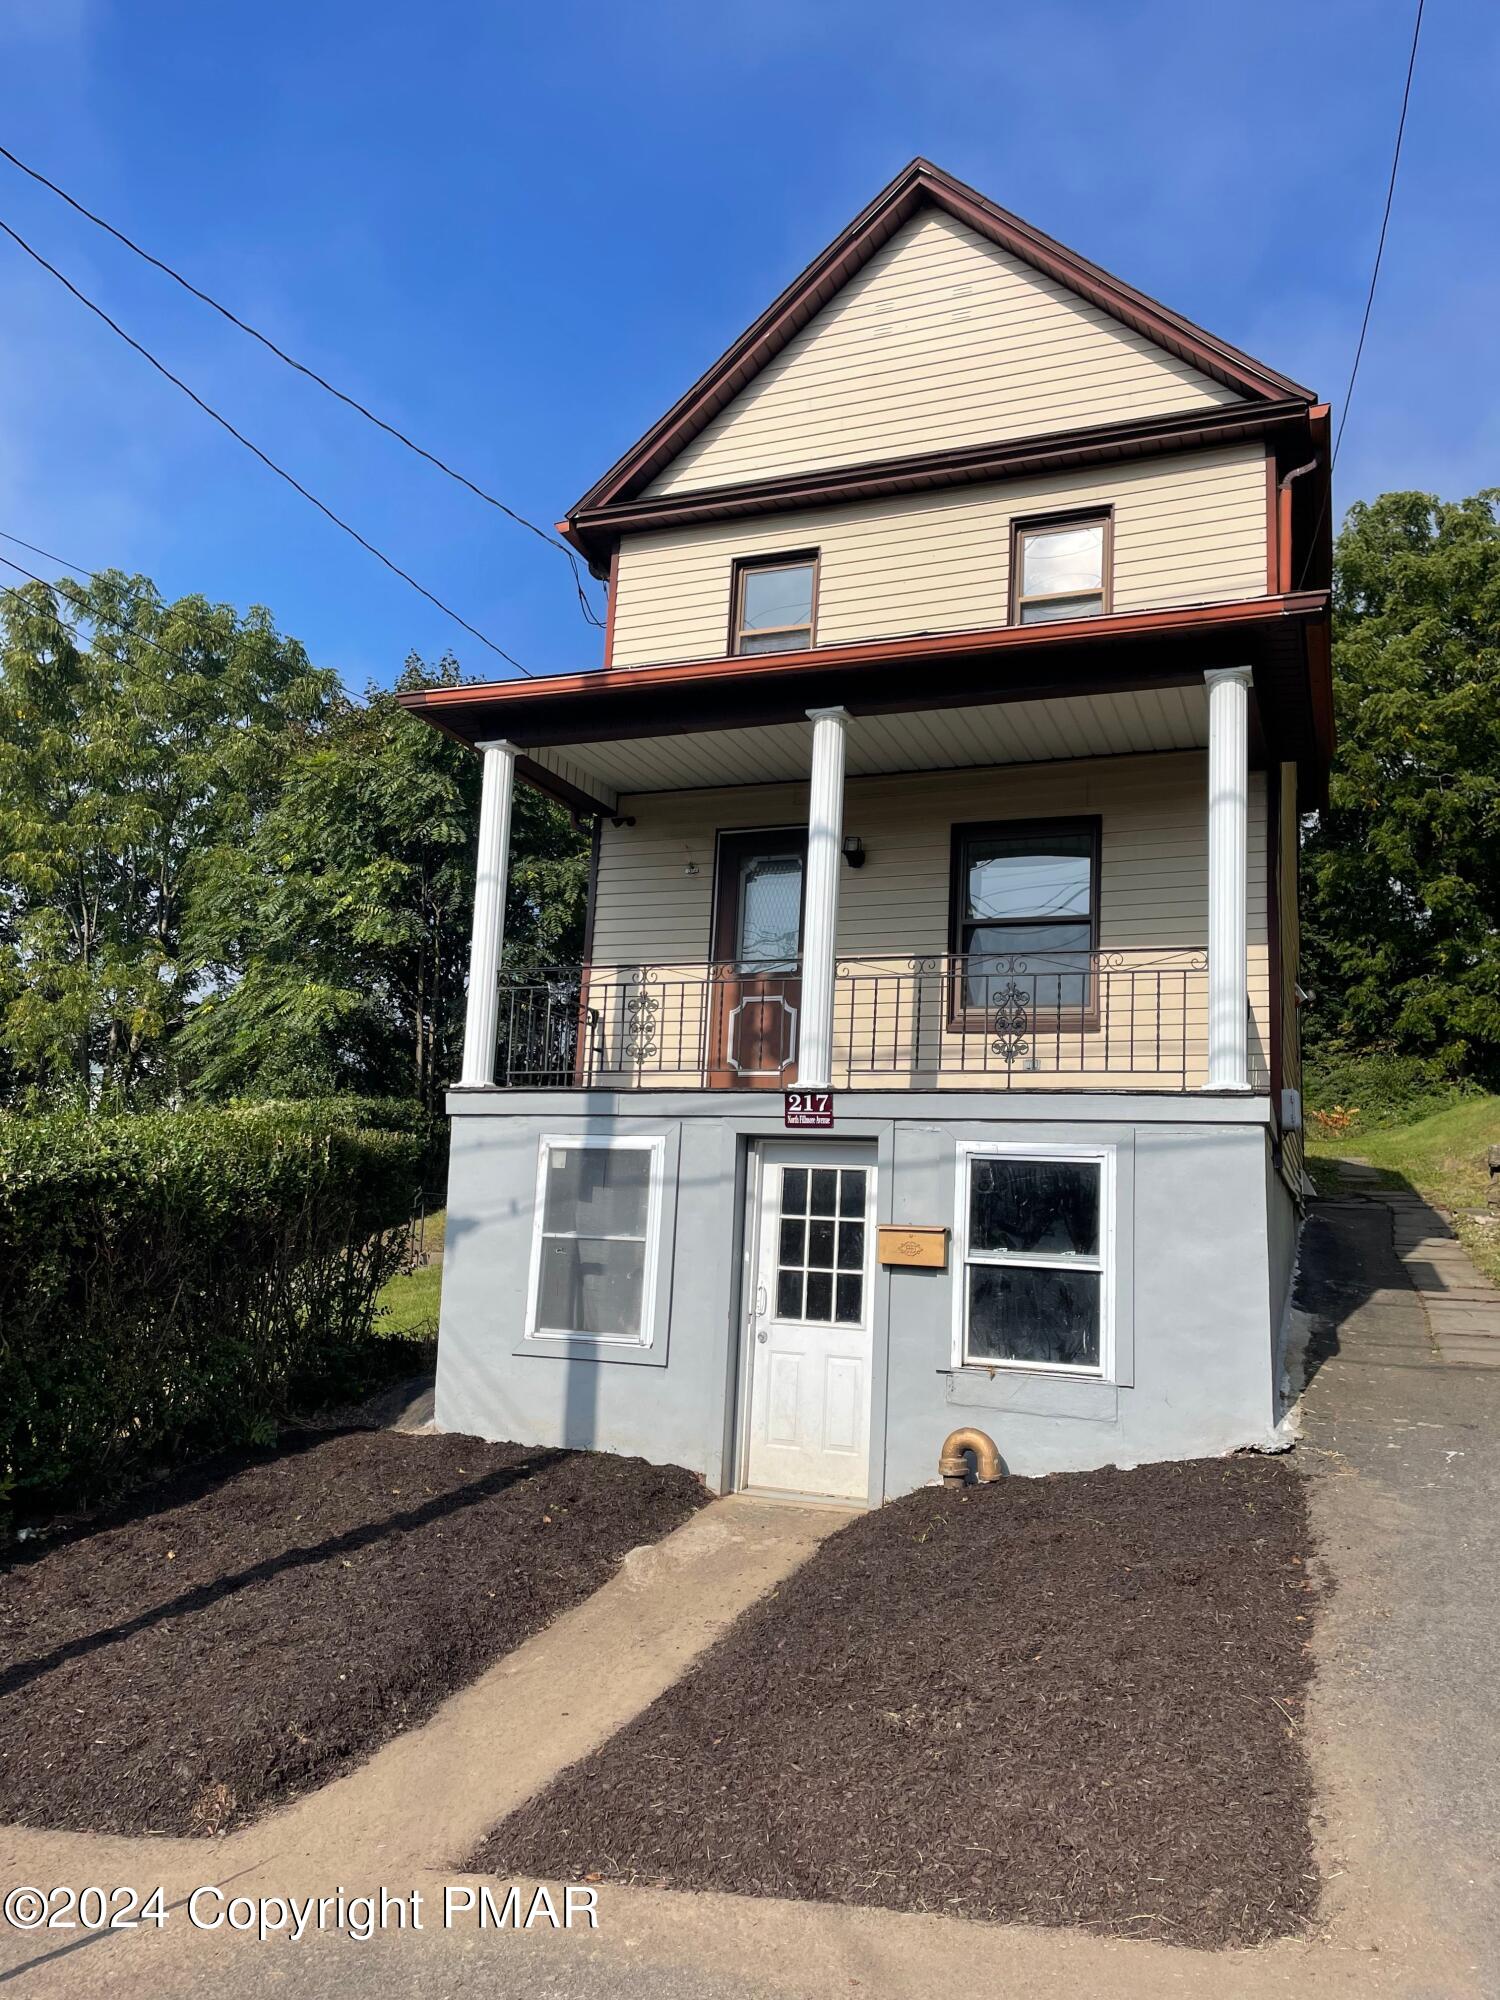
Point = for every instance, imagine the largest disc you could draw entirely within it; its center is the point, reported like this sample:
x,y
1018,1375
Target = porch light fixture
x,y
853,850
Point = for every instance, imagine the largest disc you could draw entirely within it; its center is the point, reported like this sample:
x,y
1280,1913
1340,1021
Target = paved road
x,y
1404,1441
1404,1452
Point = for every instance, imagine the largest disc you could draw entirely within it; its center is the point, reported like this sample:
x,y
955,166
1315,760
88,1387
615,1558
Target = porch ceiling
x,y
582,722
942,739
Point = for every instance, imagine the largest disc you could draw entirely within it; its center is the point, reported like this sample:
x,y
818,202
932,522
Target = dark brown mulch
x,y
1073,1700
232,1643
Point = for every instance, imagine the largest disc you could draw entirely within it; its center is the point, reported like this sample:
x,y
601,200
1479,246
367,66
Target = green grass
x,y
1443,1156
407,1308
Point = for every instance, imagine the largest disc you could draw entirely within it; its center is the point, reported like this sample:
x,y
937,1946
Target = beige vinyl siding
x,y
651,910
1288,837
1189,529
941,340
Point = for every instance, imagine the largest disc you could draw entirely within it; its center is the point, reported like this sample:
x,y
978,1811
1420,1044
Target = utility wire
x,y
1364,325
352,402
62,562
9,590
240,438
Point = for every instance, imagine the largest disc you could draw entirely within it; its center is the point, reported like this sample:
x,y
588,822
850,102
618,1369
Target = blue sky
x,y
520,232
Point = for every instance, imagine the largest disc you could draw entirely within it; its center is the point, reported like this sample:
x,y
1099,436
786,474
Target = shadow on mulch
x,y
1072,1700
250,1633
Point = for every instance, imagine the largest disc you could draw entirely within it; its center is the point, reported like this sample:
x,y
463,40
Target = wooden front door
x,y
756,992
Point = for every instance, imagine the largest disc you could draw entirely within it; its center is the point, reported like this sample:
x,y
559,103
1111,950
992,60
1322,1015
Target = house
x,y
933,1061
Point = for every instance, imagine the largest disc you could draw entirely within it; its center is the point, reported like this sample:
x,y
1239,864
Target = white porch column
x,y
1228,840
482,1020
825,836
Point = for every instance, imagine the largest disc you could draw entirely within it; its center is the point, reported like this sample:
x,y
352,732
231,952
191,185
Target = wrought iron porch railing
x,y
1107,1020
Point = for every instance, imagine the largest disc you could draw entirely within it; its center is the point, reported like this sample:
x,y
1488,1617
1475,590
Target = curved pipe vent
x,y
953,1463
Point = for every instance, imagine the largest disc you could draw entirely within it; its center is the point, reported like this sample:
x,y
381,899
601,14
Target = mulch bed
x,y
237,1639
1072,1700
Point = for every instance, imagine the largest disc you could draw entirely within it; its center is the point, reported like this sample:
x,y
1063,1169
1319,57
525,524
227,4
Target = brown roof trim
x,y
921,185
594,531
888,676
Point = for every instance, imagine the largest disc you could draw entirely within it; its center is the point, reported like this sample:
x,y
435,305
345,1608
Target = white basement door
x,y
810,1321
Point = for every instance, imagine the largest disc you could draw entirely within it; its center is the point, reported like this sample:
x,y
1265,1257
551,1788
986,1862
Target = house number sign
x,y
809,1110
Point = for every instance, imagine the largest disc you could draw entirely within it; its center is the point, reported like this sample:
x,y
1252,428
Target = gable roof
x,y
921,185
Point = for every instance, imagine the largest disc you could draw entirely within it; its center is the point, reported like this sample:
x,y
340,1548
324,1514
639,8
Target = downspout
x,y
1284,524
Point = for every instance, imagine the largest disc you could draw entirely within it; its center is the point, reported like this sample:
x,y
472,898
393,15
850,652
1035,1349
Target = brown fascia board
x,y
1012,662
917,185
594,532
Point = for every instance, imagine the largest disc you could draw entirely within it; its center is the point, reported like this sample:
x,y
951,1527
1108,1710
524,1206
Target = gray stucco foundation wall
x,y
1283,1234
1202,1250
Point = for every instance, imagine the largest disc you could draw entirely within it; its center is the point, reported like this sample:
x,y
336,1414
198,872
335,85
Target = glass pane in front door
x,y
820,1268
770,912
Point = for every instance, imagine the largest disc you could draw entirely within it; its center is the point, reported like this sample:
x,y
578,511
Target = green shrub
x,y
175,1283
1354,1092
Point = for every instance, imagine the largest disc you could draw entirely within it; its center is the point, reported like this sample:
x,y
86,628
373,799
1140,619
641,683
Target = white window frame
x,y
573,1142
1104,1158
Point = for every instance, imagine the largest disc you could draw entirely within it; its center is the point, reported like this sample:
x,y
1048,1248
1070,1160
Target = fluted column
x,y
820,923
1228,843
482,1018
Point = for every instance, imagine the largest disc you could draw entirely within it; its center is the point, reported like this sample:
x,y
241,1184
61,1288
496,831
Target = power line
x,y
78,569
1390,194
240,438
9,590
312,375
1364,325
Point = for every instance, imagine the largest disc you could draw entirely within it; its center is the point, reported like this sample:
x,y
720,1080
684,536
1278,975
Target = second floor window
x,y
774,605
1060,569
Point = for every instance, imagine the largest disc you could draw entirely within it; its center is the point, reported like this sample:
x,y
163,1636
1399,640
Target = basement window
x,y
1034,1258
774,605
594,1236
1060,569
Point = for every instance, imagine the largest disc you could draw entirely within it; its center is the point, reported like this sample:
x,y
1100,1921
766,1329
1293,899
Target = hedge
x,y
176,1283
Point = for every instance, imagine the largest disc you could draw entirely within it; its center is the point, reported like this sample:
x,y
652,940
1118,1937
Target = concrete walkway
x,y
1403,1448
425,1799
1463,1308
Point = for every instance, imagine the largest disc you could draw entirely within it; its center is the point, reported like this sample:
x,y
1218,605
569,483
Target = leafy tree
x,y
342,927
139,740
1401,876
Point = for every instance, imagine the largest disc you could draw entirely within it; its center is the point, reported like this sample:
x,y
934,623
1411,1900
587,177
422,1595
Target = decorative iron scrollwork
x,y
641,1010
1010,1025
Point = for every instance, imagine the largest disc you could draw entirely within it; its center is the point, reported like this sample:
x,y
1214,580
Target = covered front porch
x,y
870,962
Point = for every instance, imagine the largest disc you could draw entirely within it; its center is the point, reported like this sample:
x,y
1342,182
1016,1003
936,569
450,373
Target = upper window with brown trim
x,y
775,604
1061,569
1025,905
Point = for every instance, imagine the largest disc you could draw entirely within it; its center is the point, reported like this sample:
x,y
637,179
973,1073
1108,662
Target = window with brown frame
x,y
774,607
1060,568
1024,909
